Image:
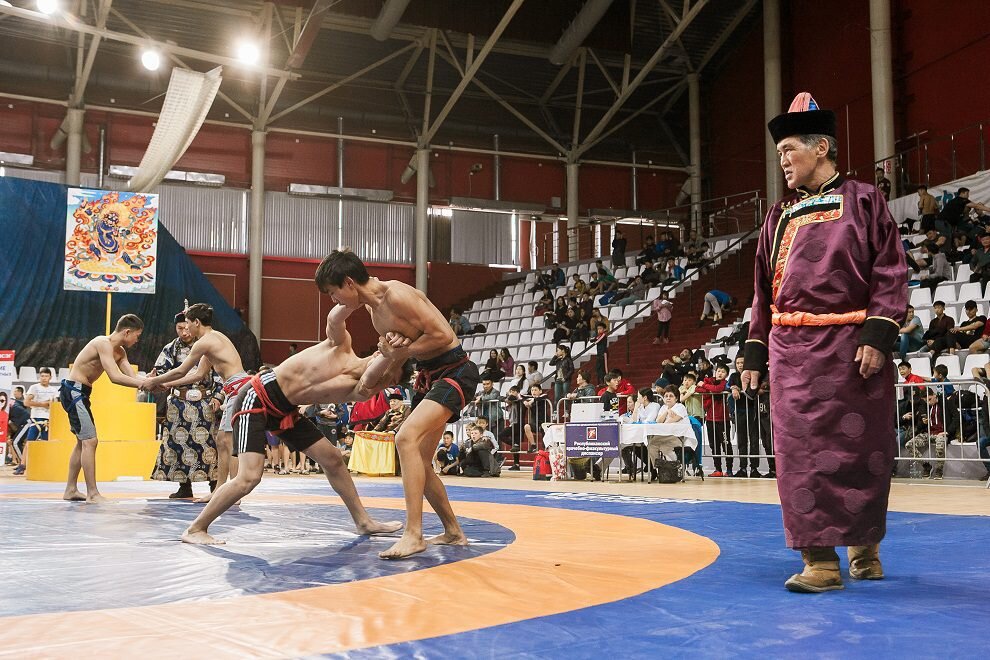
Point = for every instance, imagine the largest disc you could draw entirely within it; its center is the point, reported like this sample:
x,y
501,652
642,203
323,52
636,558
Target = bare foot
x,y
404,547
206,499
200,538
73,496
96,499
448,538
374,527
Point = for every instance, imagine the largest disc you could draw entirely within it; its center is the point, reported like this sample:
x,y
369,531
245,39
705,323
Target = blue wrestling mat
x,y
66,559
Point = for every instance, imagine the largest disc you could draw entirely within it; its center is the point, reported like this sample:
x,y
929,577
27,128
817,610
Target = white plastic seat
x,y
964,272
63,374
951,363
516,299
633,271
731,352
514,324
713,352
973,361
723,332
28,375
748,315
578,346
920,366
946,293
970,291
620,272
925,316
585,269
921,297
531,278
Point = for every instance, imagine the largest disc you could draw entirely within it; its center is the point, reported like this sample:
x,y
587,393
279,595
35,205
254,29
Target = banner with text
x,y
592,439
6,398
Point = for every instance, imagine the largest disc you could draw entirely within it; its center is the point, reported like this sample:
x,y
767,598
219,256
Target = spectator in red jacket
x,y
713,397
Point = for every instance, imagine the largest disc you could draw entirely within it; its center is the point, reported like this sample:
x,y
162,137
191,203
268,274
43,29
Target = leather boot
x,y
184,493
864,562
821,572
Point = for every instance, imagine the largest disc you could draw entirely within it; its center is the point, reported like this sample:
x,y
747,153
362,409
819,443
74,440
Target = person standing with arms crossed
x,y
446,377
830,291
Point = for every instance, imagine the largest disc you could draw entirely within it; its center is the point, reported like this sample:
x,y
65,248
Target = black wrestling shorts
x,y
249,428
452,381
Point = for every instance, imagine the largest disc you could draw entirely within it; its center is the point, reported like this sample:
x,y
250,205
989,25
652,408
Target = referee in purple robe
x,y
830,293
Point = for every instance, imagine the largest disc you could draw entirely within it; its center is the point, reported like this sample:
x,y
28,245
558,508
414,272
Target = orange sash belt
x,y
795,319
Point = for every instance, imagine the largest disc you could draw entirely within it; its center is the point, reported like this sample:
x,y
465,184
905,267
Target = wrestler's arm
x,y
112,369
374,379
336,326
194,358
412,306
195,376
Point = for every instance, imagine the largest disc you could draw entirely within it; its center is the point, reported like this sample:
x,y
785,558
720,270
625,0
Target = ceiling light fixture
x,y
248,52
48,7
151,60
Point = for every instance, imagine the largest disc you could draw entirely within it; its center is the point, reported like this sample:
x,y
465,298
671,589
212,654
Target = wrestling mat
x,y
546,575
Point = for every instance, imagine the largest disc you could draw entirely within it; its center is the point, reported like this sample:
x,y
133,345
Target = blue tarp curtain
x,y
47,325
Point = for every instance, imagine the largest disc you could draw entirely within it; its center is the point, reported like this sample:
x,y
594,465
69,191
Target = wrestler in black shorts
x,y
250,427
449,379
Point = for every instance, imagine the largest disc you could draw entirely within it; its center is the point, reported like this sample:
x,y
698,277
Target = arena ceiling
x,y
620,86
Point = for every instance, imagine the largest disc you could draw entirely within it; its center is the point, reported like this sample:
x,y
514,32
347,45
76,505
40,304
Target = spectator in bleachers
x,y
565,326
663,308
596,318
583,389
538,411
938,327
883,183
744,409
604,274
634,294
595,286
704,368
933,425
492,369
982,344
459,323
544,305
689,396
17,417
716,419
533,375
964,334
702,257
980,261
716,302
939,268
609,397
956,211
958,249
557,276
560,309
505,361
601,351
648,253
673,273
910,337
578,286
513,433
586,306
940,380
563,370
519,377
475,455
394,417
933,237
649,274
618,249
927,208
39,399
447,458
544,282
623,388
908,375
487,403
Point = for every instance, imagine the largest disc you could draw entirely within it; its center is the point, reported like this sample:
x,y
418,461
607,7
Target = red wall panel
x,y
604,187
528,180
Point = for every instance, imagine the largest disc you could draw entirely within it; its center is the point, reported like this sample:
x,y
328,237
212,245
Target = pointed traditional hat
x,y
804,117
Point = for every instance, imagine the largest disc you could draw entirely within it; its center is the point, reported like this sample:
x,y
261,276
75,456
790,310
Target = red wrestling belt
x,y
795,319
268,408
233,387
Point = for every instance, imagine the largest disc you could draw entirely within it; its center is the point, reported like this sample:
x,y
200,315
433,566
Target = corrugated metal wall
x,y
216,220
478,237
380,233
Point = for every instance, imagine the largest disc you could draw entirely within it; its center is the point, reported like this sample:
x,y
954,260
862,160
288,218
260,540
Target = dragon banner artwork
x,y
111,241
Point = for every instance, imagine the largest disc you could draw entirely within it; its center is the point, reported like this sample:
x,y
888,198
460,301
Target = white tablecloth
x,y
633,434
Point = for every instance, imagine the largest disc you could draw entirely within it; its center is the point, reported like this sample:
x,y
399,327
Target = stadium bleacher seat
x,y
951,363
921,366
921,297
28,375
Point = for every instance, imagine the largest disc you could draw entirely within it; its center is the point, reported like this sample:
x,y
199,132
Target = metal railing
x,y
711,218
937,160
